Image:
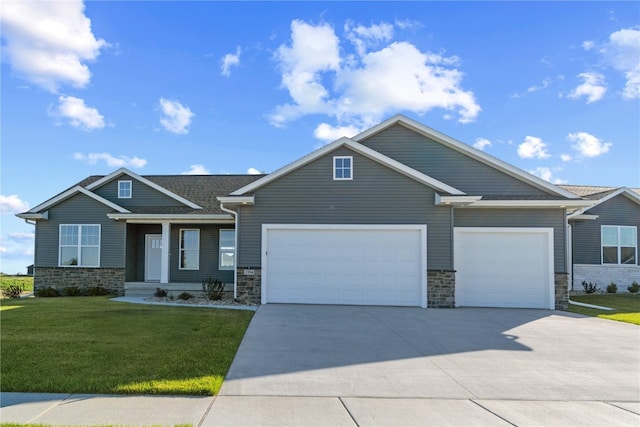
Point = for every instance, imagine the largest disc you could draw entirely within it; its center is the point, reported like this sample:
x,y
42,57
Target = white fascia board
x,y
73,191
456,200
468,150
177,218
582,217
358,148
530,204
27,215
236,200
145,181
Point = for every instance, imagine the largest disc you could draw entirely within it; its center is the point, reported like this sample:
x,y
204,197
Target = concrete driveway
x,y
347,365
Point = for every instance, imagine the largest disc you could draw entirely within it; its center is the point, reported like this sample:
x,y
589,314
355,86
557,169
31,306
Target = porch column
x,y
164,267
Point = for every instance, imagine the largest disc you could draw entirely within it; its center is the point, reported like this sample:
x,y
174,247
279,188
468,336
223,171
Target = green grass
x,y
93,345
626,306
25,281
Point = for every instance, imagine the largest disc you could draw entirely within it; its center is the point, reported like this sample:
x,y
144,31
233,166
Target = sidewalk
x,y
128,411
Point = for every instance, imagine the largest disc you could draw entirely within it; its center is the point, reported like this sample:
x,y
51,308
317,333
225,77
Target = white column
x,y
164,268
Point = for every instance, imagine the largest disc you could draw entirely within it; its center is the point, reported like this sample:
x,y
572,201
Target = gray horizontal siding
x,y
376,195
586,234
526,218
141,194
447,165
209,255
80,209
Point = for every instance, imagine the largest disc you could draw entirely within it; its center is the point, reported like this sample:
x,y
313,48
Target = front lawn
x,y
93,345
626,306
25,282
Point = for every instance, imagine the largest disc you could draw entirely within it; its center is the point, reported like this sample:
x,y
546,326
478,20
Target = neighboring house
x,y
604,237
397,215
30,270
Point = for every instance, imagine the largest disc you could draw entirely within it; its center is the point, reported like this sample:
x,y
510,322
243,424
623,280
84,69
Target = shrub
x,y
589,287
213,289
96,291
185,296
71,291
160,293
634,288
12,291
612,288
47,292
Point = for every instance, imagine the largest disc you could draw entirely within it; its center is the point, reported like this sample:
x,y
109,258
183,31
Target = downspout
x,y
235,267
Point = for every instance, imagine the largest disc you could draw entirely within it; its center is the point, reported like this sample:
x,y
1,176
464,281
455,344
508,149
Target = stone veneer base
x,y
441,289
603,275
112,279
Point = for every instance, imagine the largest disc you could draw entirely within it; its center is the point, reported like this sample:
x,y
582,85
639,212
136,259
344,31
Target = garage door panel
x,y
343,265
504,267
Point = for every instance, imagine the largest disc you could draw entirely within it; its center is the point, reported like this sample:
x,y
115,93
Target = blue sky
x,y
241,87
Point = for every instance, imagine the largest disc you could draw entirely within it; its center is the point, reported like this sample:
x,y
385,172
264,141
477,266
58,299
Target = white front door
x,y
153,258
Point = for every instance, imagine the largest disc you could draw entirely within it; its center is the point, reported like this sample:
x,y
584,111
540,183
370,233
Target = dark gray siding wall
x,y
586,234
80,209
447,165
376,195
520,218
209,255
142,195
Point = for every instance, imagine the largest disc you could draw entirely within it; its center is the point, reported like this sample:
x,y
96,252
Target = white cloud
x,y
546,174
22,237
623,53
533,147
482,143
177,118
197,170
12,204
49,42
588,145
370,84
566,157
593,87
78,114
111,161
588,45
230,60
543,85
328,133
253,171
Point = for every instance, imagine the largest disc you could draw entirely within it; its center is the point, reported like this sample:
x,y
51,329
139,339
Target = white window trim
x,y
180,267
335,169
120,196
79,245
220,267
619,263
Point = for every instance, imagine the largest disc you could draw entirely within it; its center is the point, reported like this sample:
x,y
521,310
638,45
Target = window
x,y
342,167
189,249
227,250
619,244
124,189
79,245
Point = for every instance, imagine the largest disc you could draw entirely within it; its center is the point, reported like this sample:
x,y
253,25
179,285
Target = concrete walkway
x,y
384,366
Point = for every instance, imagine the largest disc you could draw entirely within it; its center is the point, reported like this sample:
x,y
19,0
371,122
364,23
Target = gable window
x,y
79,245
227,250
342,167
619,244
189,249
124,189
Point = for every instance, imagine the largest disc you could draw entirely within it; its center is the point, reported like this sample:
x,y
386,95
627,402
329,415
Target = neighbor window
x,y
342,167
227,250
79,245
124,189
619,244
189,249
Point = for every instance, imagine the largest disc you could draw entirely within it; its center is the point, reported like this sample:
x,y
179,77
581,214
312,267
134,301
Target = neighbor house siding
x,y
141,194
80,209
376,195
586,234
445,164
554,218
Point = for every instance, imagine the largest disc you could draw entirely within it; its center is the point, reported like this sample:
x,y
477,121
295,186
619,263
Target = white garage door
x,y
344,264
504,267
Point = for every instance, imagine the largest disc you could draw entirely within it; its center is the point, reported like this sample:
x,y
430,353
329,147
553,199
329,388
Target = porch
x,y
148,289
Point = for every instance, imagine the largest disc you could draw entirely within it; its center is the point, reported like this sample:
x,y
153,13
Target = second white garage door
x,y
344,264
504,267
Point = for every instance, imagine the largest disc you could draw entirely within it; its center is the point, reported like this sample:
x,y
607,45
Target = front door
x,y
153,258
